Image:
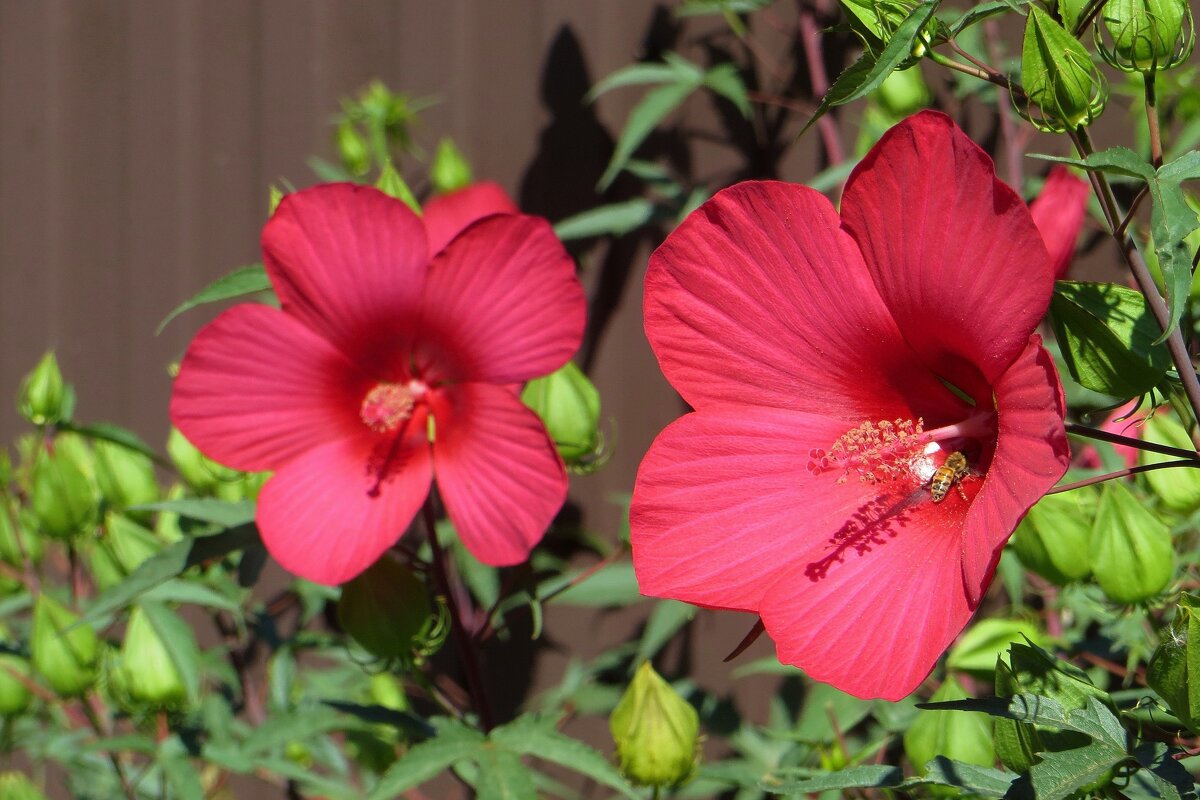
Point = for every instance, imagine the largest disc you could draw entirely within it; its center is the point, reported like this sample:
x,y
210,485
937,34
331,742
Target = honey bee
x,y
948,474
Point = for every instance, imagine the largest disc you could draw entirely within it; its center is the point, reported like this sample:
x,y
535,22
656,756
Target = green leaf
x,y
182,777
1170,778
972,778
871,776
693,8
1114,161
980,12
455,742
1107,335
502,776
615,219
667,619
107,432
1059,774
240,282
611,585
822,705
165,565
528,735
297,724
866,74
1131,554
179,642
636,75
645,117
725,80
218,512
978,647
180,591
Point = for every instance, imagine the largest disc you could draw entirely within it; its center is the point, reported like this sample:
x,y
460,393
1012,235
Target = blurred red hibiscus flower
x,y
391,361
834,365
1058,212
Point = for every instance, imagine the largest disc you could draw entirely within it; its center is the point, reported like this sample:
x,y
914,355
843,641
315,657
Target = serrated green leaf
x,y
645,117
871,776
239,283
296,724
667,619
502,776
166,564
1107,335
980,12
182,777
179,642
455,742
528,735
866,74
972,778
1114,161
634,75
614,219
1169,778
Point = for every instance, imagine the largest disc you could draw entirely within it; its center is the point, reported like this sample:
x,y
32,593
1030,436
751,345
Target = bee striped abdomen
x,y
947,475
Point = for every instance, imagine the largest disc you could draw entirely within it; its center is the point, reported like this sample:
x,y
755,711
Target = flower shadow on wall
x,y
393,359
835,365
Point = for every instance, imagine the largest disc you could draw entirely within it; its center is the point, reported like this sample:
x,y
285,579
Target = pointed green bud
x,y
18,541
65,656
450,170
1147,35
129,542
148,673
44,397
62,498
1055,532
352,149
386,609
393,185
16,786
1174,669
569,407
1058,76
202,475
656,731
124,476
15,673
1179,489
964,736
1131,553
274,196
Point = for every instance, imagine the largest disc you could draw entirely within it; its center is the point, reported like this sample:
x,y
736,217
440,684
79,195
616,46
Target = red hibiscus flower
x,y
391,361
1058,212
834,365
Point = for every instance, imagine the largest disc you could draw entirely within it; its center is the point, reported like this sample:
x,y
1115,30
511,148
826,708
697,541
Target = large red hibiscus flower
x,y
834,365
392,361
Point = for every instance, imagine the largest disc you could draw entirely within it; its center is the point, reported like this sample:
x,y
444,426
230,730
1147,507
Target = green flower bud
x,y
62,498
18,541
450,170
166,525
15,786
274,195
102,564
1058,76
1131,553
202,475
129,542
15,696
903,92
569,407
385,609
1147,35
67,659
44,398
1055,532
148,674
125,477
1174,669
352,148
656,731
958,735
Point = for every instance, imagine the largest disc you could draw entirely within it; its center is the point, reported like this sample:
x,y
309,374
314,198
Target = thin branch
x,y
1123,473
810,37
1129,441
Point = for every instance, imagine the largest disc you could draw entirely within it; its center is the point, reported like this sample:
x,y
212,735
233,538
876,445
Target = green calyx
x,y
1058,76
1146,35
656,731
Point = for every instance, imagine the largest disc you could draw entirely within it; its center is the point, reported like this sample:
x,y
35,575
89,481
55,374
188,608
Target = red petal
x,y
349,262
759,298
502,304
319,518
257,388
954,251
1058,213
725,502
1031,455
876,622
497,471
448,214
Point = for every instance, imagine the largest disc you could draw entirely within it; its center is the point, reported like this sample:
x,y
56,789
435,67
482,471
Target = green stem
x,y
1124,473
1129,441
1156,148
1141,274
